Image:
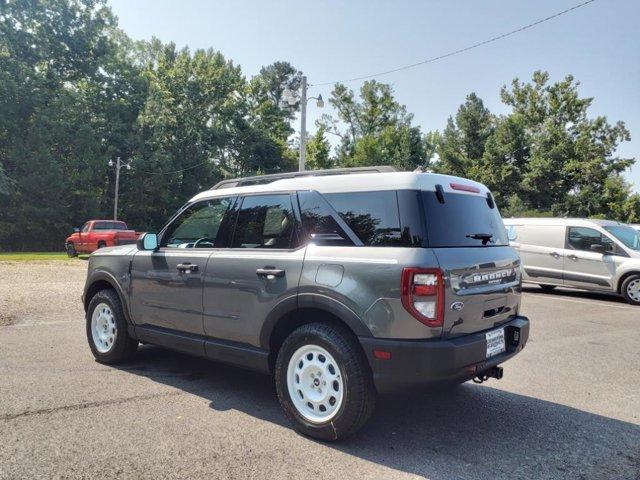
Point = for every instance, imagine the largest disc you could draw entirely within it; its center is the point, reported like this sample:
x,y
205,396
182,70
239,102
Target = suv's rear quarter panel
x,y
367,281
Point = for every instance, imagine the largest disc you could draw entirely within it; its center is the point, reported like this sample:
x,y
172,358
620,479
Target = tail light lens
x,y
422,293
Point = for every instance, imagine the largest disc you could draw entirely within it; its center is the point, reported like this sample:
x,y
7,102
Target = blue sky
x,y
599,44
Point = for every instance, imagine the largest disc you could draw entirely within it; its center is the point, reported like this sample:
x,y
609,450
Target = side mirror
x,y
598,247
76,230
147,241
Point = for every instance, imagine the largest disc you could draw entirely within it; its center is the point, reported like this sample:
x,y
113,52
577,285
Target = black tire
x,y
360,395
547,288
123,346
625,289
101,245
71,250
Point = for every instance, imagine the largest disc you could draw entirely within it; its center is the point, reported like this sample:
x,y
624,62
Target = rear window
x,y
110,226
460,218
373,216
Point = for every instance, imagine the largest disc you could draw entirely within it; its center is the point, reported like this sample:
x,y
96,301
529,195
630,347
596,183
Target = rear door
x,y
481,270
244,283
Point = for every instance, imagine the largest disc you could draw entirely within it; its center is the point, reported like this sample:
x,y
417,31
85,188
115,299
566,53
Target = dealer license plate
x,y
495,342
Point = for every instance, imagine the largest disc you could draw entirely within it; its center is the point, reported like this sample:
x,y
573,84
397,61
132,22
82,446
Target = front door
x,y
166,285
244,283
584,267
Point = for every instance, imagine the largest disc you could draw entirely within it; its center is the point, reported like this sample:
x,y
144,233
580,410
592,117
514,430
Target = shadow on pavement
x,y
470,431
580,294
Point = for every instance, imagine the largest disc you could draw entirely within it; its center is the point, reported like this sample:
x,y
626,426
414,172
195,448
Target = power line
x,y
461,50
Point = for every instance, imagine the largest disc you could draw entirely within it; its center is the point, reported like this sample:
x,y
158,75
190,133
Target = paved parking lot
x,y
568,406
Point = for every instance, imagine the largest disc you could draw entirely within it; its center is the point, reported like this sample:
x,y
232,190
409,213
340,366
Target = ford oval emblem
x,y
457,306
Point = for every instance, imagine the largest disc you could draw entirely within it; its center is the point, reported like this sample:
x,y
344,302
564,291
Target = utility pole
x,y
290,98
119,164
303,124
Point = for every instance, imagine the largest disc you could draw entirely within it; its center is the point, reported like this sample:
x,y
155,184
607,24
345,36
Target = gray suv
x,y
341,286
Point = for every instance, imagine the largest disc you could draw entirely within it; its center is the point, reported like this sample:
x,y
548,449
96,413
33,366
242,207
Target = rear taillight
x,y
422,293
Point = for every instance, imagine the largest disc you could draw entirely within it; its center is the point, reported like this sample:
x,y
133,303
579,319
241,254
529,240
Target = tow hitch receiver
x,y
493,372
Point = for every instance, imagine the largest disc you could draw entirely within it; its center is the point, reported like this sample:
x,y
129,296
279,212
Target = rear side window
x,y
463,220
265,221
319,219
373,216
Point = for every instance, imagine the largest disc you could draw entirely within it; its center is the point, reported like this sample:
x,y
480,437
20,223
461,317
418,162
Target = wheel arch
x,y
296,311
100,281
623,277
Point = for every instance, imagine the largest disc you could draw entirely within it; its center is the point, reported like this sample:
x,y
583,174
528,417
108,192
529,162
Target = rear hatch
x,y
481,271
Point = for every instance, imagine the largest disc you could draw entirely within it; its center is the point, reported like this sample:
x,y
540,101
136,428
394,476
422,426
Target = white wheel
x,y
633,290
104,329
315,383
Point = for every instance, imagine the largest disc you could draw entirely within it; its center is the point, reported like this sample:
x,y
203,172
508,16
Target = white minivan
x,y
601,255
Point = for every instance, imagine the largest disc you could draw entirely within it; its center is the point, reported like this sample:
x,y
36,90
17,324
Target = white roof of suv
x,y
365,182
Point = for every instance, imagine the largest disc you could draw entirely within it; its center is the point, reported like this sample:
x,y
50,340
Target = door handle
x,y
270,273
573,257
187,267
555,254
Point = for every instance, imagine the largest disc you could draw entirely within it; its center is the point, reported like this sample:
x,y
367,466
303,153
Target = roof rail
x,y
262,179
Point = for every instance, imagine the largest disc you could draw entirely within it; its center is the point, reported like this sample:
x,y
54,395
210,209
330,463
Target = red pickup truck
x,y
97,234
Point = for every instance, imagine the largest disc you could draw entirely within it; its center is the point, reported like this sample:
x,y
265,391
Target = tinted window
x,y
109,226
373,216
319,219
462,216
581,238
264,221
201,223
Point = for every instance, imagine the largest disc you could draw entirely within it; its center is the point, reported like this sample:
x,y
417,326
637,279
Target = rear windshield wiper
x,y
485,237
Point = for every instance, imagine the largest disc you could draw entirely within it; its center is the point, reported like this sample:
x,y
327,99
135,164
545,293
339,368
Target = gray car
x,y
600,255
341,286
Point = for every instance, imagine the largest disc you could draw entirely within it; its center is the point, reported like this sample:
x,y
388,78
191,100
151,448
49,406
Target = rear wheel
x,y
107,332
547,288
324,382
631,289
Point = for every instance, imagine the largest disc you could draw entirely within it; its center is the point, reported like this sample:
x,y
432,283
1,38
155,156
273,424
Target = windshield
x,y
627,235
462,221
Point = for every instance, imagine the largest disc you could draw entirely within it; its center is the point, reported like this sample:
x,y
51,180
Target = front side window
x,y
373,216
200,225
582,238
265,221
85,228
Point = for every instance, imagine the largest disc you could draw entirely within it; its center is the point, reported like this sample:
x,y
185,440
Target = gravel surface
x,y
568,406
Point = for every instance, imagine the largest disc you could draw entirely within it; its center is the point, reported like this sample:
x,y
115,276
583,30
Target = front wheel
x,y
71,250
324,382
631,289
107,332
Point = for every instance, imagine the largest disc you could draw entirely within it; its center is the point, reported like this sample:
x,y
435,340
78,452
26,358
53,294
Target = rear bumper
x,y
432,362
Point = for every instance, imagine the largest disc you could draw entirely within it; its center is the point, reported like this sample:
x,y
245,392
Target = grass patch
x,y
30,256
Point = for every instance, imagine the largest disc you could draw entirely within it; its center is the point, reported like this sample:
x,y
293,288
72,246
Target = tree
x,y
461,146
319,150
552,155
374,129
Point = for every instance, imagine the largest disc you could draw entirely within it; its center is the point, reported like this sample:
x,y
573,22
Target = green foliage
x,y
319,151
75,92
374,129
